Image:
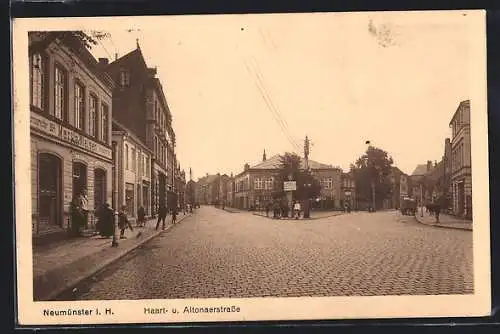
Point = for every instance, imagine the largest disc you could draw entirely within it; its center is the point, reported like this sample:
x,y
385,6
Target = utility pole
x,y
307,213
114,179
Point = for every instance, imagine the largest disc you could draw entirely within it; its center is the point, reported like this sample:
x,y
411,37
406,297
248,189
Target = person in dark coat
x,y
174,215
141,217
106,221
162,215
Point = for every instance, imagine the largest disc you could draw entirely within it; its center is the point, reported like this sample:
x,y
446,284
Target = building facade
x,y
257,185
70,130
140,105
207,189
461,169
134,171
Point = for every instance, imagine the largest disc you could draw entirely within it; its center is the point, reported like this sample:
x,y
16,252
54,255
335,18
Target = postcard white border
x,y
255,309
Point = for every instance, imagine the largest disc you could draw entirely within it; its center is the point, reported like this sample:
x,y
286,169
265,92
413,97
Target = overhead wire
x,y
275,108
270,105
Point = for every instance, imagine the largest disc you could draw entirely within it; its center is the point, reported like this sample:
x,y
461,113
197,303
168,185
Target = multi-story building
x,y
257,185
70,129
133,170
207,189
230,190
140,105
180,185
349,190
224,184
461,179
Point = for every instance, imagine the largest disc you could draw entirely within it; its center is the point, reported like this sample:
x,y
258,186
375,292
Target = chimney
x,y
429,165
152,72
103,62
207,174
264,156
246,167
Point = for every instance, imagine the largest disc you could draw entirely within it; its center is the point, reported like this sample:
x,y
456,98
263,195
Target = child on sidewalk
x,y
123,222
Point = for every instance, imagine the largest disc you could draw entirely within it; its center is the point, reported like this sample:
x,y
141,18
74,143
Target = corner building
x,y
70,131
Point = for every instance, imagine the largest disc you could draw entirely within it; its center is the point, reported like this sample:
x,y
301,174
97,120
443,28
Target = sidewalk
x,y
314,215
445,221
60,266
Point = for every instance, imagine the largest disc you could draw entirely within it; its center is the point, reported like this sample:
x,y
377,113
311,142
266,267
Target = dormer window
x,y
124,78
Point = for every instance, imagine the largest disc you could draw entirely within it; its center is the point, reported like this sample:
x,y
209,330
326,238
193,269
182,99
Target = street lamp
x,y
307,213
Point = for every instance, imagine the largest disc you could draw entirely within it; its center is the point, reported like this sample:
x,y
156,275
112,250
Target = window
x,y
60,93
79,106
37,81
258,183
126,156
327,183
133,159
269,183
124,78
93,116
104,122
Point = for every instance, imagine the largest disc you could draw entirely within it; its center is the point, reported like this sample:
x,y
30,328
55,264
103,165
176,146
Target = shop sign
x,y
289,186
67,135
44,125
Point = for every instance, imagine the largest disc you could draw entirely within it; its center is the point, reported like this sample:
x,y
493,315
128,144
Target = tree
x,y
307,186
76,40
373,169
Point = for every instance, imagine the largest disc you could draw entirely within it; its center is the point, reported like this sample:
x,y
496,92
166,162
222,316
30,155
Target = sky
x,y
239,84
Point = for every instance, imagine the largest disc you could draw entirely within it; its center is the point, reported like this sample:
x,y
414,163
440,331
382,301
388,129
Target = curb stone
x,y
56,283
442,226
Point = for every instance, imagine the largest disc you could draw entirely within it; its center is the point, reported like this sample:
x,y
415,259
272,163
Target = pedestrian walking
x,y
141,217
174,215
297,209
162,215
124,222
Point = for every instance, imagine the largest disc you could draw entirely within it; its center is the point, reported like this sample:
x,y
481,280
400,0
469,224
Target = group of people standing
x,y
280,209
105,215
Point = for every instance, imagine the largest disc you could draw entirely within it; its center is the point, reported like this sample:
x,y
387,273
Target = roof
x,y
274,162
436,172
82,52
462,105
420,170
208,179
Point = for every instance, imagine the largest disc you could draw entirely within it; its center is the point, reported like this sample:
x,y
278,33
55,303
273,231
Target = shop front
x,y
64,163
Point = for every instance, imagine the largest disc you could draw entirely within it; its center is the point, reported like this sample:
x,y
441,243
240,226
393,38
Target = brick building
x,y
257,185
70,130
207,189
140,105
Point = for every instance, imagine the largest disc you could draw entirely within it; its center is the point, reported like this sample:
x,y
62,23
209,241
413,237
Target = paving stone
x,y
215,253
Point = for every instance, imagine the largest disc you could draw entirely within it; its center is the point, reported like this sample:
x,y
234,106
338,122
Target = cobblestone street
x,y
216,253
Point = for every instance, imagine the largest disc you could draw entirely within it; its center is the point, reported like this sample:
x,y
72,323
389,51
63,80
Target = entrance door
x,y
99,188
145,197
49,189
162,189
129,198
79,178
461,198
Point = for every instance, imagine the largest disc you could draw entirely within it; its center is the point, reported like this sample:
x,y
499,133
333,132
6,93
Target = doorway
x,y
100,188
79,178
49,189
